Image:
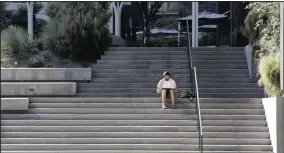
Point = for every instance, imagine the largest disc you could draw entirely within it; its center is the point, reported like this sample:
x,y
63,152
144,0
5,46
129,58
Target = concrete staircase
x,y
135,125
135,72
120,112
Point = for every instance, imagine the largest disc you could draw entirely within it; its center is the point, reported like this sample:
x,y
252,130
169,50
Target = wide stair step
x,y
135,125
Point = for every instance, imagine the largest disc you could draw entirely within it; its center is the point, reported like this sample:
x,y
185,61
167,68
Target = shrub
x,y
36,61
269,71
172,43
16,38
262,28
53,39
7,59
77,30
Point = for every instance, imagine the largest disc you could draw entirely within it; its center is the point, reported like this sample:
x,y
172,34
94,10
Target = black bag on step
x,y
184,94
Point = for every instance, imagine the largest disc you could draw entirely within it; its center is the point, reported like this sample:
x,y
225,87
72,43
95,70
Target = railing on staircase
x,y
194,88
198,112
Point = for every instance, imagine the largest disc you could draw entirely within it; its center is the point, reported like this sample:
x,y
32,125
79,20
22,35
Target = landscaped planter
x,y
274,111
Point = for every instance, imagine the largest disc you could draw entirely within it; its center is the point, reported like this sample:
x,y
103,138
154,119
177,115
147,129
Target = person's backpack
x,y
186,94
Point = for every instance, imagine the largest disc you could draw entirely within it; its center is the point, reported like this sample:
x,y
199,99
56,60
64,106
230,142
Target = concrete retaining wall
x,y
14,104
274,111
38,88
45,74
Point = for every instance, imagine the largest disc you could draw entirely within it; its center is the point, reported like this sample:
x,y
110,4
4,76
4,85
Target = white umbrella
x,y
208,26
159,31
204,15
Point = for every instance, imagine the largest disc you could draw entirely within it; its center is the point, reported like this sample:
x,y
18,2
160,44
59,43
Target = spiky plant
x,y
269,70
16,38
79,29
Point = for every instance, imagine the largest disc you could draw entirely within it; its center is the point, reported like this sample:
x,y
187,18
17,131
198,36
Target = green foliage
x,y
155,42
262,28
148,11
6,56
207,39
16,39
53,39
269,70
20,17
172,43
167,22
77,30
5,15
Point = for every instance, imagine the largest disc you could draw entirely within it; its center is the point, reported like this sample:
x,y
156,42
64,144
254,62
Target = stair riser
x,y
173,66
173,71
140,100
225,49
141,95
153,90
177,80
250,135
132,147
207,141
155,75
172,53
160,123
147,111
147,49
143,105
129,129
169,62
151,85
173,57
128,151
127,117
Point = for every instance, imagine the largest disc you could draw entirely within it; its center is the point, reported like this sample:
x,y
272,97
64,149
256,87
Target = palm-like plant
x,y
16,38
269,70
79,28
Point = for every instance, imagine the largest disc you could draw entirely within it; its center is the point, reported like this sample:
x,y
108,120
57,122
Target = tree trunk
x,y
147,31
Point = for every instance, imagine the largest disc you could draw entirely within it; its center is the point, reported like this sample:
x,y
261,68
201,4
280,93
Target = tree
x,y
148,11
20,17
77,30
262,28
5,15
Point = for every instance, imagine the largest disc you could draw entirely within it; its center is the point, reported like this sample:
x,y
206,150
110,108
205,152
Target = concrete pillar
x,y
274,112
282,47
117,24
194,24
117,8
178,33
110,22
30,7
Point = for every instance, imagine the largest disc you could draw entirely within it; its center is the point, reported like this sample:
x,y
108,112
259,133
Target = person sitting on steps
x,y
167,87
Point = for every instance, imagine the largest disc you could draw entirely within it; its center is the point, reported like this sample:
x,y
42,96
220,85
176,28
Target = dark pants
x,y
168,92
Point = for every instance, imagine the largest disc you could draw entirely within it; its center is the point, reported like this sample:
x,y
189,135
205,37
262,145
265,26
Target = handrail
x,y
198,113
194,88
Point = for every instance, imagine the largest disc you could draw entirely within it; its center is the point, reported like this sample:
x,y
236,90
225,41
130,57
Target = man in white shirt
x,y
167,87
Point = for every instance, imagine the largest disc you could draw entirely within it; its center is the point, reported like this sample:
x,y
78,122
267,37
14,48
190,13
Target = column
x,y
196,19
117,8
179,33
30,7
110,22
281,46
194,24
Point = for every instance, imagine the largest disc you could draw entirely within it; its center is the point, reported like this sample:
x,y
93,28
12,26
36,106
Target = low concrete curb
x,y
14,104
